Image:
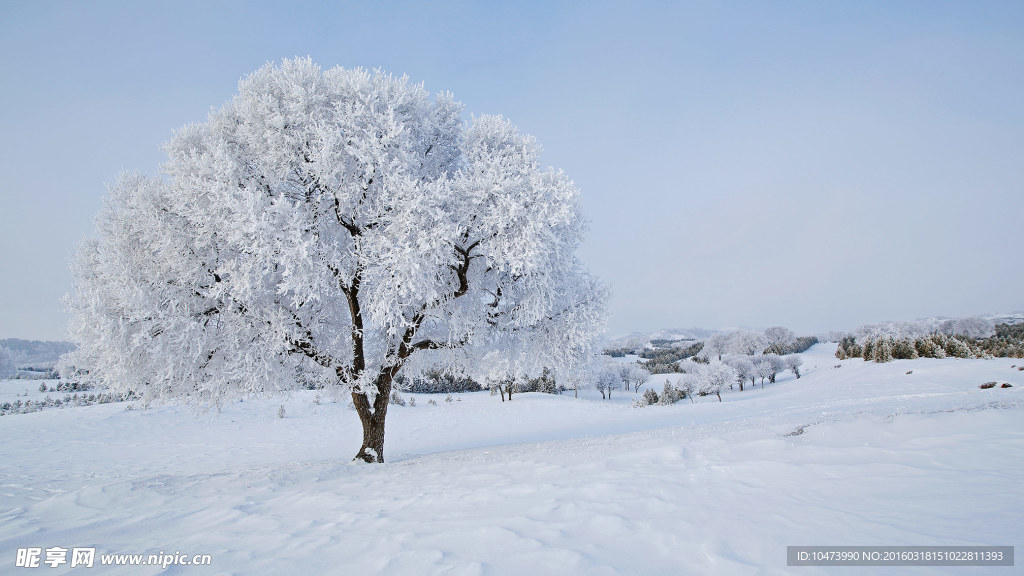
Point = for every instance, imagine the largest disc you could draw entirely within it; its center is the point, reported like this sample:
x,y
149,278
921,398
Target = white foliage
x,y
608,377
779,335
970,327
743,365
688,385
311,196
747,342
716,346
714,376
634,375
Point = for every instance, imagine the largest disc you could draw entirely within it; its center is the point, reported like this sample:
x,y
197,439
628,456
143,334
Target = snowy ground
x,y
864,454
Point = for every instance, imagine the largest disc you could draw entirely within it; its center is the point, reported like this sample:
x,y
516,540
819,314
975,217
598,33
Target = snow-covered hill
x,y
36,353
904,453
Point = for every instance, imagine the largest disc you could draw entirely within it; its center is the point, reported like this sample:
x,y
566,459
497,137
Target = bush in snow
x,y
848,348
437,382
904,349
280,411
669,395
650,397
544,383
396,399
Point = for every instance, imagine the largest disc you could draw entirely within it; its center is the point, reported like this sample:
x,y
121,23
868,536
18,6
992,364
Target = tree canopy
x,y
330,227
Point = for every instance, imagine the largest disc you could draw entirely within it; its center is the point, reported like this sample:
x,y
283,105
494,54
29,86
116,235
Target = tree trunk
x,y
741,385
719,394
372,419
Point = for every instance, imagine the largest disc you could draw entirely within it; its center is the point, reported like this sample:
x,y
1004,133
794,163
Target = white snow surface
x,y
865,454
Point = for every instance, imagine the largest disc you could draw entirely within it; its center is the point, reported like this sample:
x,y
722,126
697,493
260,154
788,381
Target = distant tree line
x,y
974,340
663,356
437,382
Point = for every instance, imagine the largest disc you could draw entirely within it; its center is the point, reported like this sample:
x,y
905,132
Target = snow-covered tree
x,y
794,362
607,378
689,366
763,369
687,385
332,226
777,365
743,366
669,394
747,342
779,336
716,345
714,376
634,375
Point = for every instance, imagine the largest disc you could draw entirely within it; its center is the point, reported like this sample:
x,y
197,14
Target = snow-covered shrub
x,y
956,348
848,348
396,399
280,411
544,383
650,397
669,395
437,382
881,350
927,348
904,349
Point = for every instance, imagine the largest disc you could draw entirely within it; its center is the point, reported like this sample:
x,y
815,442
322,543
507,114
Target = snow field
x,y
860,455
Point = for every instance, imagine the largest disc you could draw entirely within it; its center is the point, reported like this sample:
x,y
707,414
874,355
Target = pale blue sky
x,y
812,164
